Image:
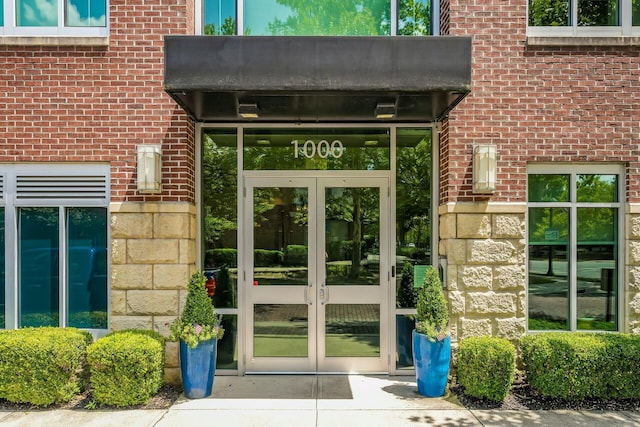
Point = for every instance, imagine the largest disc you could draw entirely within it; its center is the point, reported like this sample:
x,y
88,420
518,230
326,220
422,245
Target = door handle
x,y
324,295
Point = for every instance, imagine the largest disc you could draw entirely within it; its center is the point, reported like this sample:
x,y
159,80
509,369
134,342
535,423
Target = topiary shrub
x,y
199,321
583,365
486,367
126,367
432,311
42,366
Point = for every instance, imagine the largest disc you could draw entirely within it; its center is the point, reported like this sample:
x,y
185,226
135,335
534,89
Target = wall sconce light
x,y
149,169
485,168
385,110
248,111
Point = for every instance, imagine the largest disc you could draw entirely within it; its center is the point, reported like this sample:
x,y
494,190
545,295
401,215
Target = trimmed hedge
x,y
267,258
486,367
222,256
583,365
295,255
126,367
42,366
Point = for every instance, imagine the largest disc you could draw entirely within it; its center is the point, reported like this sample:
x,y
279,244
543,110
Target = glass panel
x,y
86,13
413,201
280,236
317,17
548,13
414,18
316,149
38,266
280,330
220,214
636,13
548,268
87,267
597,188
352,330
37,13
597,274
219,17
405,324
1,14
352,236
227,357
548,188
601,13
2,271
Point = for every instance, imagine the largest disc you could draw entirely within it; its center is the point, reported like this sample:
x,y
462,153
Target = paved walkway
x,y
325,400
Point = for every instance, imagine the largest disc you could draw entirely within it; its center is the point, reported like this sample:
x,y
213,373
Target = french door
x,y
317,274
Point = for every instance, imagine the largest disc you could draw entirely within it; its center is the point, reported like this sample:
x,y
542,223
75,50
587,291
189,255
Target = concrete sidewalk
x,y
325,400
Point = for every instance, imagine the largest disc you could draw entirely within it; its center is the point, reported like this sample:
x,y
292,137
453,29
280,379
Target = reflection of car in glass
x,y
210,284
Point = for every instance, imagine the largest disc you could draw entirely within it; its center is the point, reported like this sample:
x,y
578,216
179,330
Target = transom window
x,y
583,17
319,17
574,253
54,17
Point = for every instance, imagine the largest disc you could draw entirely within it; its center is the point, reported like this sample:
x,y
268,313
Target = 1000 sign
x,y
322,149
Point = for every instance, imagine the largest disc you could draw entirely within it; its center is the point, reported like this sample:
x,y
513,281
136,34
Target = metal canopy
x,y
317,79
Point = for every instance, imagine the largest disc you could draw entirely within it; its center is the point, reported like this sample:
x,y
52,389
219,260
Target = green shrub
x,y
126,367
224,256
431,308
486,367
583,365
407,294
267,258
42,366
295,255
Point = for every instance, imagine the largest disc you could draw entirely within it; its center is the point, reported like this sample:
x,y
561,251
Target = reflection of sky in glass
x,y
37,13
86,13
258,14
215,11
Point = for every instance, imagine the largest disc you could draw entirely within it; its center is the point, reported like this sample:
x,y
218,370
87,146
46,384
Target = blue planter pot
x,y
198,366
431,360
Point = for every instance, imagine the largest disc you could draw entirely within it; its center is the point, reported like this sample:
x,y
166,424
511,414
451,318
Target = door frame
x,y
317,182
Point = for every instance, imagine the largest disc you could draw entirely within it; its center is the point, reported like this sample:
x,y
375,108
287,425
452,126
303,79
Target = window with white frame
x,y
54,17
583,18
574,252
53,254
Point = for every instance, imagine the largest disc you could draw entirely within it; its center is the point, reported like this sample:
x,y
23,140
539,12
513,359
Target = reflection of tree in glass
x,y
413,193
334,17
556,12
414,18
219,190
228,28
360,208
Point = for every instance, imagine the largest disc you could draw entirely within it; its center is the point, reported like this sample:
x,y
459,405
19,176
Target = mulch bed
x,y
165,397
523,397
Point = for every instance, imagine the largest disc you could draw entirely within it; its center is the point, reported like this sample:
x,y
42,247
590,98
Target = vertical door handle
x,y
307,300
322,296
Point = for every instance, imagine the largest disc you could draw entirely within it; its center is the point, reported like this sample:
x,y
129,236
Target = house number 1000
x,y
323,149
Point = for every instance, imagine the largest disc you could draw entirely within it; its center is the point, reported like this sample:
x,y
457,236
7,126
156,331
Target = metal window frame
x,y
573,170
625,29
12,204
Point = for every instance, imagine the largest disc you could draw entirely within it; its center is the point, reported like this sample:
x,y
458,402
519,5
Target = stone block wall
x,y
153,253
632,280
485,248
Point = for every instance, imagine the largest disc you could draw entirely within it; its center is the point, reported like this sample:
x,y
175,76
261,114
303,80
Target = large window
x,y
583,17
573,247
54,17
318,17
54,262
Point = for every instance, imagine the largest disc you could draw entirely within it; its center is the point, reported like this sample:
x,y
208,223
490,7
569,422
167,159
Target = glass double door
x,y
318,274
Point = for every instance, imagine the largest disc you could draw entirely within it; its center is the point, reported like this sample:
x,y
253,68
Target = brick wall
x,y
95,104
539,104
